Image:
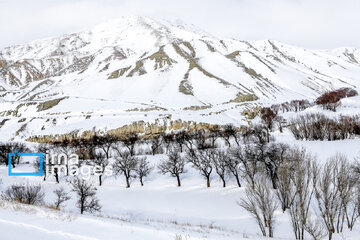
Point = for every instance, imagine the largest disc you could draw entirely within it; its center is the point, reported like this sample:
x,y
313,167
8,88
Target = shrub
x,y
25,194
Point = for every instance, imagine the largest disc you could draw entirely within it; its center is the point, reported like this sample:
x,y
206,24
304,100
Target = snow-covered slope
x,y
137,68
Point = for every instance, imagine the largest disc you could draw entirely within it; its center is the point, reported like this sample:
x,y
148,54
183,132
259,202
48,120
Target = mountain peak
x,y
133,32
139,68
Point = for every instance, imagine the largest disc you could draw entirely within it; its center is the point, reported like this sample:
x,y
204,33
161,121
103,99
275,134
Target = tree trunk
x,y
228,142
57,177
236,140
208,181
100,182
178,180
82,208
141,181
237,180
330,235
127,182
271,234
273,181
224,182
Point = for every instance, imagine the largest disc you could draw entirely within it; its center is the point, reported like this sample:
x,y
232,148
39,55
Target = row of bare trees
x,y
293,106
317,126
157,143
320,199
201,151
243,162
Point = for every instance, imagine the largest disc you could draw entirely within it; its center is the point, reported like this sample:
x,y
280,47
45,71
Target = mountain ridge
x,y
96,77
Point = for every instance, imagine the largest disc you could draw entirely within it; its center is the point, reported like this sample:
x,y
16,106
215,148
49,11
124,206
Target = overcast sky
x,y
306,23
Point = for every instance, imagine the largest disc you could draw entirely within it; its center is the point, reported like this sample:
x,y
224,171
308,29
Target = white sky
x,y
306,23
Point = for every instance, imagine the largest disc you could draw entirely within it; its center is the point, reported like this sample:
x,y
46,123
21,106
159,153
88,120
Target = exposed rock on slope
x,y
94,78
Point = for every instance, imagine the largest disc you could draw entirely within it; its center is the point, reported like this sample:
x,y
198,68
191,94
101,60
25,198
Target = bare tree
x,y
249,156
202,160
143,169
273,156
285,191
279,121
190,140
261,203
174,165
315,228
106,144
301,178
233,164
180,138
11,147
155,144
214,132
346,183
227,132
327,194
221,164
130,141
100,163
42,148
125,163
86,192
64,149
168,140
261,133
55,168
201,139
61,197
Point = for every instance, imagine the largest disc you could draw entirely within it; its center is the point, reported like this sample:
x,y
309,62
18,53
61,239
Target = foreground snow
x,y
159,210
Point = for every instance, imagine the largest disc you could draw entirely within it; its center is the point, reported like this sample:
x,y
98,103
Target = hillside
x,y
139,69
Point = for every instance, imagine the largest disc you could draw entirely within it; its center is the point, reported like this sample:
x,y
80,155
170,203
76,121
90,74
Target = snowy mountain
x,y
136,69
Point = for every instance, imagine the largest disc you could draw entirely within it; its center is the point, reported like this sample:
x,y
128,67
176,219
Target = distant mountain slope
x,y
137,68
